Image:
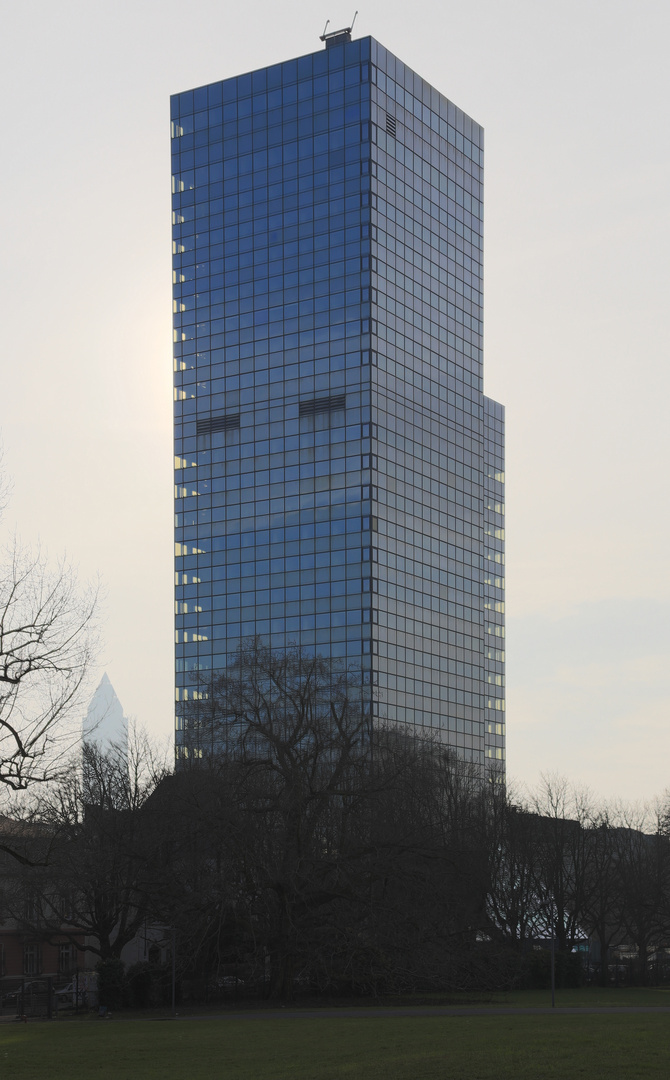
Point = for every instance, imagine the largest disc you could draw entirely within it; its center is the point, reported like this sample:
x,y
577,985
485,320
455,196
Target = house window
x,y
31,959
66,957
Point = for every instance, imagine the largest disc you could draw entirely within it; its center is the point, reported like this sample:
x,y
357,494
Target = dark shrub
x,y
537,974
111,983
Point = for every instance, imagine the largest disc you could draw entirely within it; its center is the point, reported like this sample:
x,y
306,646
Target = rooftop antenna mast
x,y
337,37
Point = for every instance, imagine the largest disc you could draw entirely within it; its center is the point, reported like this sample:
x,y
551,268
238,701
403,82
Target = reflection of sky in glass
x,y
339,473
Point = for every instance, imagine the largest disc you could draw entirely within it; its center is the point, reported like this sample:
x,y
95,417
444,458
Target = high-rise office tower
x,y
339,471
105,725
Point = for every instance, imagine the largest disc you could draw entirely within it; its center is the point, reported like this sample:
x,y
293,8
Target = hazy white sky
x,y
573,98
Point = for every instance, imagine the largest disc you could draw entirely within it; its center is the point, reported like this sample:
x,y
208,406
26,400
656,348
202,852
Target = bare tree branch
x,y
47,641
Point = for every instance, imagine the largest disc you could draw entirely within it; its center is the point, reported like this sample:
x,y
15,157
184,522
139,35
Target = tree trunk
x,y
604,962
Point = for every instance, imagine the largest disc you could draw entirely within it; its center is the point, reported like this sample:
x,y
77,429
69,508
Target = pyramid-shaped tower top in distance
x,y
105,725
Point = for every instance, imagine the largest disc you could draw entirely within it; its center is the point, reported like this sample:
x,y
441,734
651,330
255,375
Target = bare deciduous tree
x,y
349,855
602,908
288,730
46,644
562,855
102,835
643,865
514,904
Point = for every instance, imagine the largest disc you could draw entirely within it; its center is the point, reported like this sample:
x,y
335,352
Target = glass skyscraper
x,y
339,474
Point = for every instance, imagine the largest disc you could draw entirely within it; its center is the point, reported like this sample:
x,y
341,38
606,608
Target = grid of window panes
x,y
494,580
428,408
338,470
271,275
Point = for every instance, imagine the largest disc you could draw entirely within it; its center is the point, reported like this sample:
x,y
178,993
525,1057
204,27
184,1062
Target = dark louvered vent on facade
x,y
324,404
219,422
390,125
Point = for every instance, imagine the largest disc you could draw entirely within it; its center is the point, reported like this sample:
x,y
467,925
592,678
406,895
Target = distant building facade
x,y
23,950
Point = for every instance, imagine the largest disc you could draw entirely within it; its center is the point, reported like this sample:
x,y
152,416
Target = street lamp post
x,y
553,966
174,972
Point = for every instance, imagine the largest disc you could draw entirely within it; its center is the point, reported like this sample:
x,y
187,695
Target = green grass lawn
x,y
449,1048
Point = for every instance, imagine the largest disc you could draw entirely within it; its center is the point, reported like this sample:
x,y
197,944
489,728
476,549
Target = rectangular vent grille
x,y
320,405
390,125
220,422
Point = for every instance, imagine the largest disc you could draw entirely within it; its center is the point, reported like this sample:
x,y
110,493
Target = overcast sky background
x,y
574,100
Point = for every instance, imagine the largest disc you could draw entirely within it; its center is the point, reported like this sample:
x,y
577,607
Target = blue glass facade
x,y
338,470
